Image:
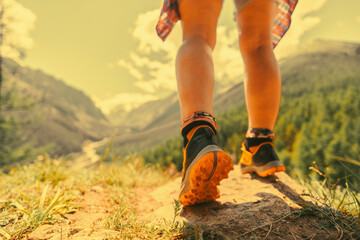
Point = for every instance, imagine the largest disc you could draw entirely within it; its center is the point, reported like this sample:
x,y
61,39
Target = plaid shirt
x,y
170,15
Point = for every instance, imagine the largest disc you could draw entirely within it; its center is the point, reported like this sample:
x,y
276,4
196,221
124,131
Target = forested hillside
x,y
43,111
319,118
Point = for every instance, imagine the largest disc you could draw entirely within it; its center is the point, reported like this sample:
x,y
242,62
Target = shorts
x,y
170,15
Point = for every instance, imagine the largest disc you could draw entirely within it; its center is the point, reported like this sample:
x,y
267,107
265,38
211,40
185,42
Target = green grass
x,y
36,194
44,191
338,206
125,221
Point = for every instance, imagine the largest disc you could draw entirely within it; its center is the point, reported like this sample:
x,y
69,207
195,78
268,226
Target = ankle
x,y
197,119
256,136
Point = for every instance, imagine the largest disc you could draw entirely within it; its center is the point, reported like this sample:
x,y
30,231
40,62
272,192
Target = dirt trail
x,y
250,207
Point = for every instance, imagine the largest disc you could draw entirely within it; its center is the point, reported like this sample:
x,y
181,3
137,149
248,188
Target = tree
x,y
16,21
15,24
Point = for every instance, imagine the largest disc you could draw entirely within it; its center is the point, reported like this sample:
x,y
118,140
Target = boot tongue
x,y
193,130
189,130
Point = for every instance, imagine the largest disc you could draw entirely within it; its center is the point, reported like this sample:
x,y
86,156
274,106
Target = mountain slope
x,y
61,115
144,116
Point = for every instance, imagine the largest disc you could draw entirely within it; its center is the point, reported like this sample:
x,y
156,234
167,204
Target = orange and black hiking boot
x,y
258,154
261,159
205,164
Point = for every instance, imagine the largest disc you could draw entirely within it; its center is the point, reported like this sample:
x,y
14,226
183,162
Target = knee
x,y
200,33
200,42
254,43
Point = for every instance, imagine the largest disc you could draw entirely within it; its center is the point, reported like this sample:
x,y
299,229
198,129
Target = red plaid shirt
x,y
170,15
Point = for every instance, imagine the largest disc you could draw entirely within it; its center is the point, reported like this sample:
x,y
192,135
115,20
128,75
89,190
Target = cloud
x,y
128,101
18,22
227,59
149,42
153,62
131,68
144,64
301,22
151,75
161,77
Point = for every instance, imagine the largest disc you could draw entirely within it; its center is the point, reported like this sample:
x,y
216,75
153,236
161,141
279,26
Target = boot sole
x,y
266,170
202,176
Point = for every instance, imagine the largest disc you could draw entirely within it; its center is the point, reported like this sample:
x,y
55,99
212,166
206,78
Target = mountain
x,y
153,113
61,116
144,116
65,117
301,72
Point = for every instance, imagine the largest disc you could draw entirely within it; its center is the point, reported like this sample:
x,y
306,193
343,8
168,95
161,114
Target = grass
x,y
45,191
34,195
334,207
338,206
125,221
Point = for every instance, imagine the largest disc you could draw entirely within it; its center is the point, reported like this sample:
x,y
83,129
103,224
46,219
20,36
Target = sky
x,y
110,50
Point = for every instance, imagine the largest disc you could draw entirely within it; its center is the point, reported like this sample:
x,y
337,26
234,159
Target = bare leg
x,y
194,64
262,75
205,164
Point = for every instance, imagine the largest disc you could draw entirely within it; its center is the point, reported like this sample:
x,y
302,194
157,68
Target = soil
x,y
86,223
250,207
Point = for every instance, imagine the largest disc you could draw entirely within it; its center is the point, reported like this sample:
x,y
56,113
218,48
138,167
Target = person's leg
x,y
194,64
205,164
262,76
262,87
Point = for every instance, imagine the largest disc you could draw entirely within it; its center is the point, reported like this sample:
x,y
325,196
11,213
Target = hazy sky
x,y
109,49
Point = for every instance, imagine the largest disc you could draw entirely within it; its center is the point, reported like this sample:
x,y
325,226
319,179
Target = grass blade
x,y
42,199
107,149
357,202
342,201
4,233
23,194
53,203
348,160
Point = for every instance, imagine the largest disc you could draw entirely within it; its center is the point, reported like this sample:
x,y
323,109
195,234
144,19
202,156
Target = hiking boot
x,y
260,159
205,164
